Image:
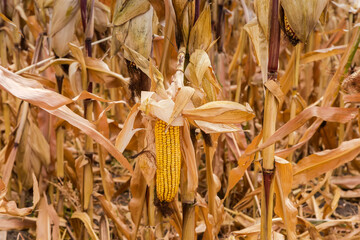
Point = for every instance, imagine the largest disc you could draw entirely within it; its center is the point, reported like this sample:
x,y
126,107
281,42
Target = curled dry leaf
x,y
138,190
200,34
52,102
220,112
113,213
283,206
330,114
84,217
243,163
65,17
318,163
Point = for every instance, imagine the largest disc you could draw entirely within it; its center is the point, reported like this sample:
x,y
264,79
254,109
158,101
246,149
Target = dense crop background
x,y
83,82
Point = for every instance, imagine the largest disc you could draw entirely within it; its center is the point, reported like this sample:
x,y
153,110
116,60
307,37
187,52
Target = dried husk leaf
x,y
260,44
303,15
148,68
262,13
181,100
100,73
139,36
200,34
101,16
188,190
65,16
128,131
154,106
129,10
220,112
33,151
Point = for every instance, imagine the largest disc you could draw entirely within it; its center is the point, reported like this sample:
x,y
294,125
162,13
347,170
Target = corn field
x,y
179,119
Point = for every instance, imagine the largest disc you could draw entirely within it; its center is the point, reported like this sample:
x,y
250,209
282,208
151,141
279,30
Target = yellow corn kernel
x,y
168,161
290,32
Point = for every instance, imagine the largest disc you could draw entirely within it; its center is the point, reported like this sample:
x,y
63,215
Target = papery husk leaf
x,y
262,12
181,100
65,16
303,15
139,35
147,163
100,73
318,163
160,108
128,131
33,152
188,192
129,10
141,62
200,34
101,15
208,127
220,112
84,217
283,206
260,44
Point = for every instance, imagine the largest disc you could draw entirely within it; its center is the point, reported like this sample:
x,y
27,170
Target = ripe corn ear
x,y
290,32
168,161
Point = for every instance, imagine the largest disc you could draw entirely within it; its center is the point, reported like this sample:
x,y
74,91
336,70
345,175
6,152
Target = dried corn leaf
x,y
112,212
138,190
84,217
30,90
220,112
283,206
128,131
318,163
243,163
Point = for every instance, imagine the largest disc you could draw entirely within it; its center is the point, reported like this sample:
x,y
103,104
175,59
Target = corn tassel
x,y
168,160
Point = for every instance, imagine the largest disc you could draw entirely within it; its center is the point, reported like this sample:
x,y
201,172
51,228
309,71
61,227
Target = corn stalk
x,y
269,125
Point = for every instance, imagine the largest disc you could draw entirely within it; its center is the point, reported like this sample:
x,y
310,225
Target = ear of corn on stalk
x,y
290,32
168,160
